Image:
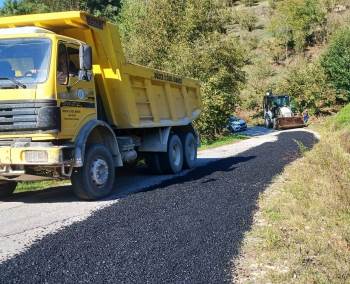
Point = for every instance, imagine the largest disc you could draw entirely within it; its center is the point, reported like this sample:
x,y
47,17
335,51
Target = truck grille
x,y
18,116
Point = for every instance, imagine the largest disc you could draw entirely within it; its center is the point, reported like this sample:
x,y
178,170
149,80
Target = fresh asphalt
x,y
186,230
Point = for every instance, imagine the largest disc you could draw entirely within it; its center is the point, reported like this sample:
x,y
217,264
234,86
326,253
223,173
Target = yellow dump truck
x,y
71,106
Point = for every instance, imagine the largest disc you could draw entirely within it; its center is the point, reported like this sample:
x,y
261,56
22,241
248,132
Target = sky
x,y
1,2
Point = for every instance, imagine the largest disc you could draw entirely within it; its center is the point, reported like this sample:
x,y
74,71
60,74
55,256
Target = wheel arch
x,y
96,131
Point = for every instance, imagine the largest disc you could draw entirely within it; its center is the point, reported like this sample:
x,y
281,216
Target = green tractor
x,y
278,112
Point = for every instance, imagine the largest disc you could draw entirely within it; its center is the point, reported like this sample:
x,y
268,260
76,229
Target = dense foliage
x,y
299,23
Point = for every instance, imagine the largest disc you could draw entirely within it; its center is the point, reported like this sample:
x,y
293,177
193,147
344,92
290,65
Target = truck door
x,y
76,97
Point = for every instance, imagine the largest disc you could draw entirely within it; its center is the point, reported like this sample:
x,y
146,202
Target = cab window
x,y
73,60
62,65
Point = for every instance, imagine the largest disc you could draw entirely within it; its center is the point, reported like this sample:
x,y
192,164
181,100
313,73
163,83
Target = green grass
x,y
342,119
39,185
224,140
301,232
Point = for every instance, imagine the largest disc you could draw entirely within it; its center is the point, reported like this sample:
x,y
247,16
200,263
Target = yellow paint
x,y
16,155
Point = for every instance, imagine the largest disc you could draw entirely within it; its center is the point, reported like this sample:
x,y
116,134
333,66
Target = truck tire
x,y
7,188
153,163
267,123
190,150
95,179
275,124
171,161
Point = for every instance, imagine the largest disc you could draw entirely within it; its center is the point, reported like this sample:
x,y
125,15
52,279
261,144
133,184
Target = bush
x,y
247,20
276,50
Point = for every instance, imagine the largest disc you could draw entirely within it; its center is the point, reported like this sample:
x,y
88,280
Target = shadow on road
x,y
185,230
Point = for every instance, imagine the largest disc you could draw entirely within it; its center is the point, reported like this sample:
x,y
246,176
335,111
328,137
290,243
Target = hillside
x,y
272,66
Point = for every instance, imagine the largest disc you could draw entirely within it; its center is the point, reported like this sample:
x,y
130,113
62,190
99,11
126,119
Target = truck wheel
x,y
190,150
7,188
95,179
171,161
153,163
275,124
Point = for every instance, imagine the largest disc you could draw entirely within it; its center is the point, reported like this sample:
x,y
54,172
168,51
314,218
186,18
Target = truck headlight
x,y
36,156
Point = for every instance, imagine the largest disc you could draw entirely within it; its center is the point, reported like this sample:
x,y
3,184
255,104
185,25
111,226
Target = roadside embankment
x,y
301,232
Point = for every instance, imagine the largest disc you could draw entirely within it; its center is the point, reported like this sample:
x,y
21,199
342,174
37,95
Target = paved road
x,y
187,229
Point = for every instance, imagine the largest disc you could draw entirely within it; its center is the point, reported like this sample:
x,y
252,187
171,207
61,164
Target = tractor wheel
x,y
267,123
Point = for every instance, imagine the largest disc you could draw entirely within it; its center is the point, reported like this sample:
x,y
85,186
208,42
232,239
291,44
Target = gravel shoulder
x,y
176,229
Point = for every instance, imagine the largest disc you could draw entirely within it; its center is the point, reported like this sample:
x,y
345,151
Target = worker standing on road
x,y
306,116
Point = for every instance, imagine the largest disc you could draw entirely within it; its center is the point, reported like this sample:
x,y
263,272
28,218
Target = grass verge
x,y
224,140
39,185
301,232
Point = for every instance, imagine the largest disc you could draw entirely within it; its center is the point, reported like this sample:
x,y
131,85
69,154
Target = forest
x,y
237,49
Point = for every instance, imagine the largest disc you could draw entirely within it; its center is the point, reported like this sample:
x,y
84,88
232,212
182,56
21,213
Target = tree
x,y
247,20
336,61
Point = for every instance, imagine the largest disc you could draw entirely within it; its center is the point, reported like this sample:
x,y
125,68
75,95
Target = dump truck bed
x,y
133,96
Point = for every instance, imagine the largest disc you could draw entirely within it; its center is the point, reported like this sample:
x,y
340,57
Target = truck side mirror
x,y
85,62
85,57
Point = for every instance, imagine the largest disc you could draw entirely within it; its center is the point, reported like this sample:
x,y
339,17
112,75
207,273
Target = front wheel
x,y
7,188
95,179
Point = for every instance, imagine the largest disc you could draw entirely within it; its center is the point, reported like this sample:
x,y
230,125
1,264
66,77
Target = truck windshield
x,y
24,61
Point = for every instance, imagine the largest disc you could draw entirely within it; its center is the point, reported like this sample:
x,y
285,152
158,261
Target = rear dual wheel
x,y
181,153
190,150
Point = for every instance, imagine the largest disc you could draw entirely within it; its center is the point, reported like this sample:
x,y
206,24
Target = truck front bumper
x,y
49,156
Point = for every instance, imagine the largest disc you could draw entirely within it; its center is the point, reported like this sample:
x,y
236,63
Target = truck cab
x,y
46,95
